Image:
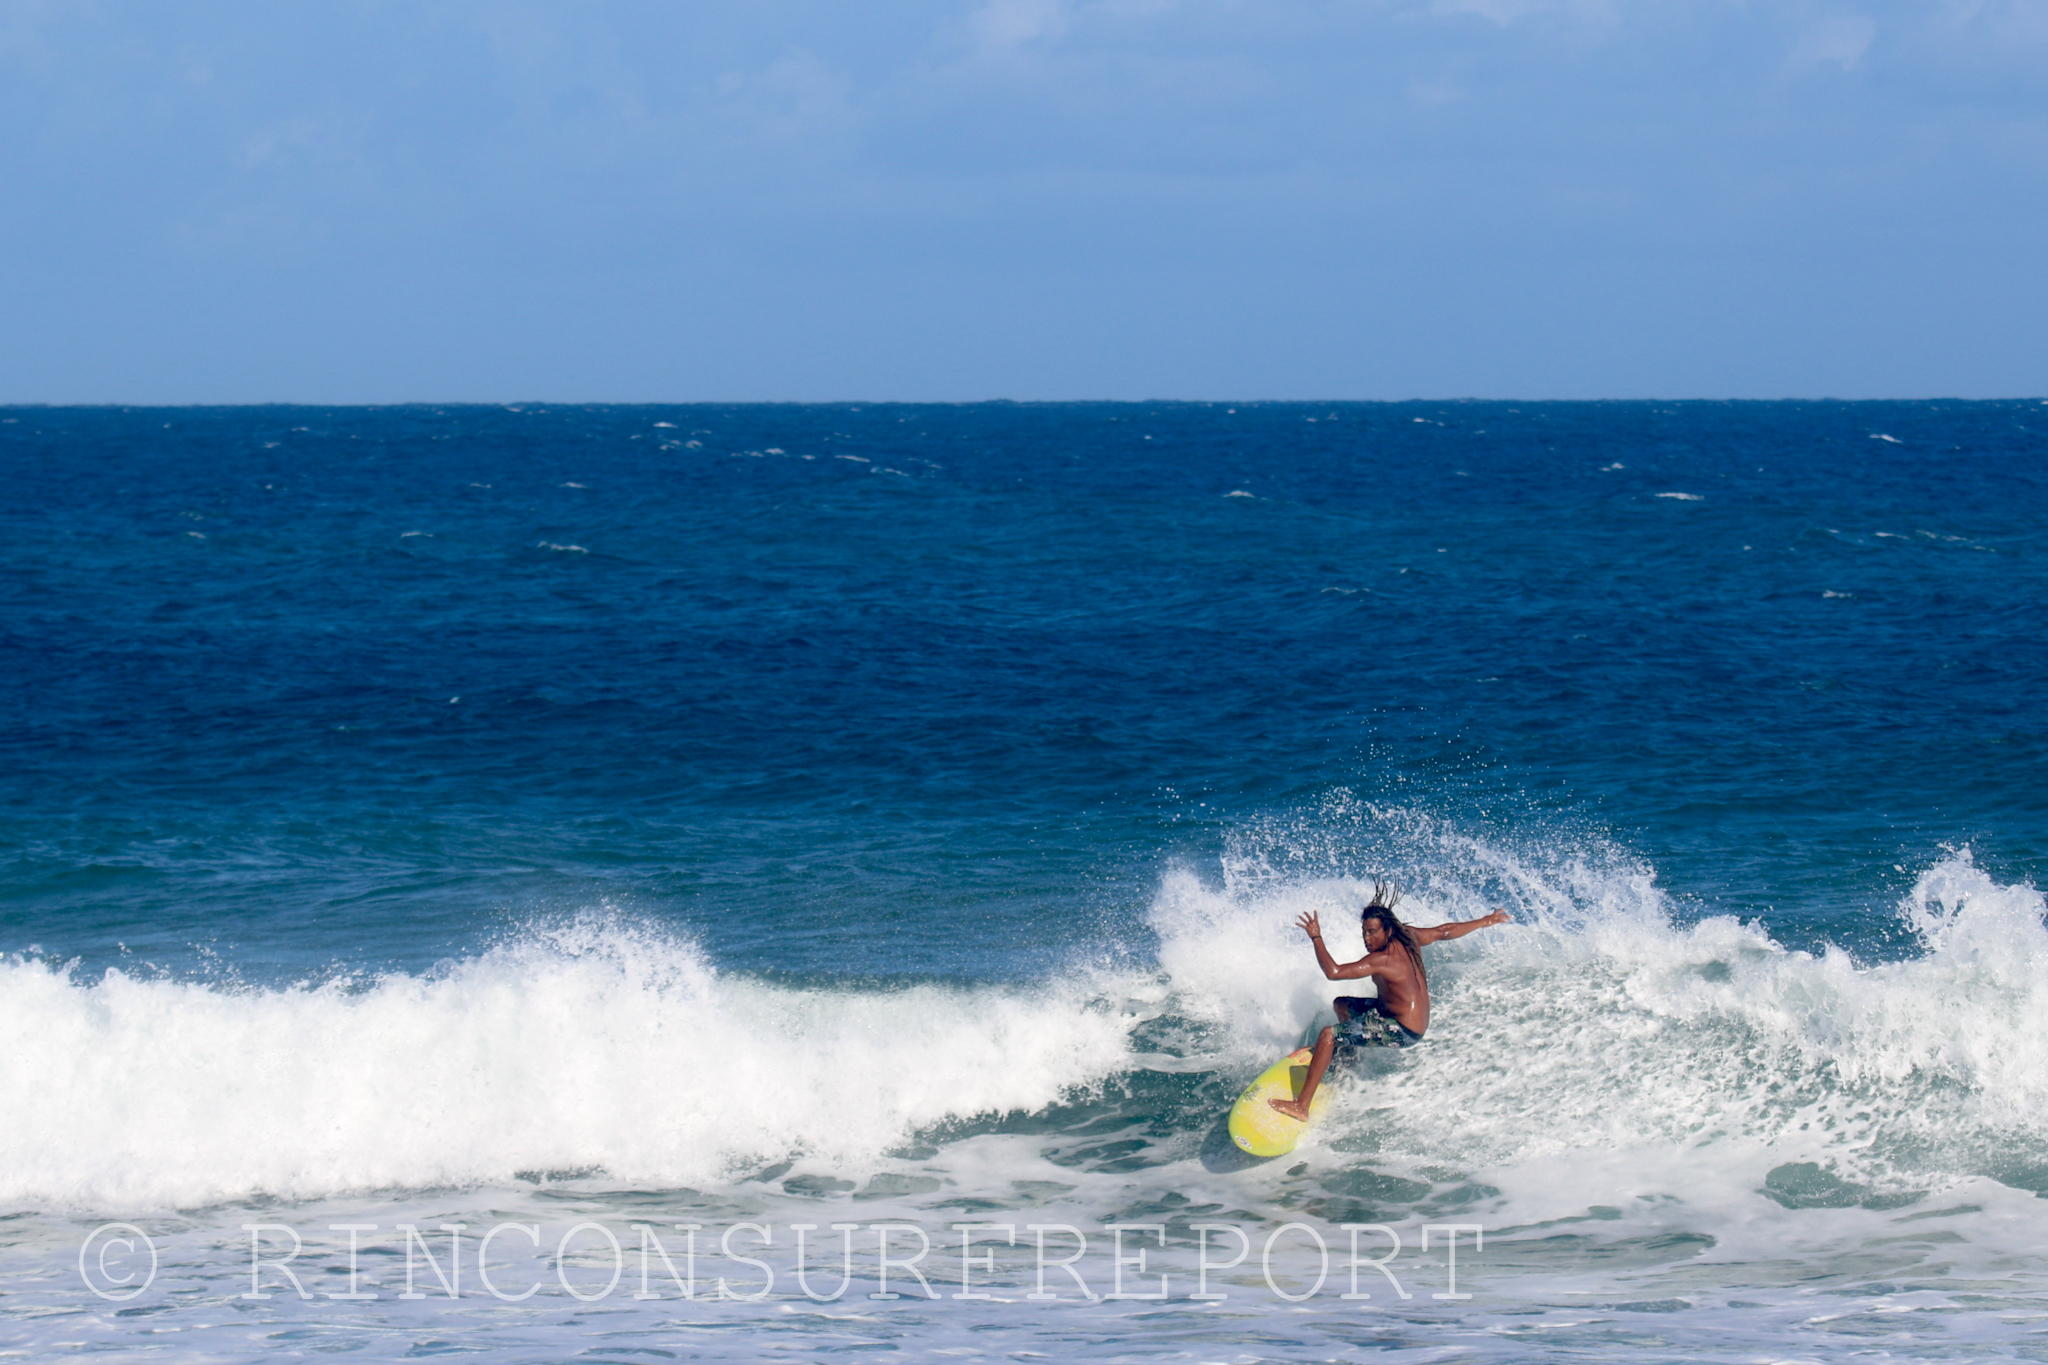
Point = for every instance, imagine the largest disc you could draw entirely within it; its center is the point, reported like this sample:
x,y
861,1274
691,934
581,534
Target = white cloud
x,y
1436,92
2008,21
1505,12
1003,24
275,143
795,98
1839,38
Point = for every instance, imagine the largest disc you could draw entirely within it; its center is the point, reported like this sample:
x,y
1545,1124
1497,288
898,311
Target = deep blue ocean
x,y
881,810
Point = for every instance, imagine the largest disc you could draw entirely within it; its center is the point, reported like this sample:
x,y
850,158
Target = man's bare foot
x,y
1294,1109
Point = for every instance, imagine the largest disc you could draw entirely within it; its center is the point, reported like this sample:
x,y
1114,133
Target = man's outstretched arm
x,y
1332,968
1436,933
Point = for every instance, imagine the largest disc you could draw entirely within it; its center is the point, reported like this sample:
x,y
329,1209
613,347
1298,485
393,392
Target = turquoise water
x,y
883,812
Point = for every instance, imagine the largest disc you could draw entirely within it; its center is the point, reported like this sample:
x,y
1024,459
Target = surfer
x,y
1398,1015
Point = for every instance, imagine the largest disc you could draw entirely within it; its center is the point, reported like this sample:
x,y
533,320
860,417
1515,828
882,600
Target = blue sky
x,y
964,199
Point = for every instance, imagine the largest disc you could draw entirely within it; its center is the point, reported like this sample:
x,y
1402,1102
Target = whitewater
x,y
1697,1103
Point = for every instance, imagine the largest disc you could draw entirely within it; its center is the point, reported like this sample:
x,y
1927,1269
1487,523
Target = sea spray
x,y
1603,1020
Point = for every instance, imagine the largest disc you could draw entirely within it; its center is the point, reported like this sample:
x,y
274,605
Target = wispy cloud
x,y
1841,39
999,25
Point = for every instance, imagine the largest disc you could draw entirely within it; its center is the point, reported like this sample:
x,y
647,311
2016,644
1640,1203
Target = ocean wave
x,y
594,1046
1601,1029
1603,1021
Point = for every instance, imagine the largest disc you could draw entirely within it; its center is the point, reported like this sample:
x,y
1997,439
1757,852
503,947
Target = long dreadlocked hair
x,y
1385,895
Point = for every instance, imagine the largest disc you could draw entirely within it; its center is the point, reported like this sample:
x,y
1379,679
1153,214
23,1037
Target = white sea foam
x,y
1601,1023
592,1046
1602,1026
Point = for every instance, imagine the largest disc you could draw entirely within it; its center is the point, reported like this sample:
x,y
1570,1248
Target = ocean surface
x,y
865,822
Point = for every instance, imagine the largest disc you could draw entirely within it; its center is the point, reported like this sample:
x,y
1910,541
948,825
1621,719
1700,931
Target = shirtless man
x,y
1399,1015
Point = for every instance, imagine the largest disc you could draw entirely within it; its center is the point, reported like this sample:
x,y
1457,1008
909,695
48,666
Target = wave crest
x,y
591,1046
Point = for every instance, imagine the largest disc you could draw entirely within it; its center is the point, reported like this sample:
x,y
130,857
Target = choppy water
x,y
605,819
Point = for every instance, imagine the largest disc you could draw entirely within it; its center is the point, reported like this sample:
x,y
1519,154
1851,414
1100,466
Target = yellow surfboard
x,y
1260,1129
